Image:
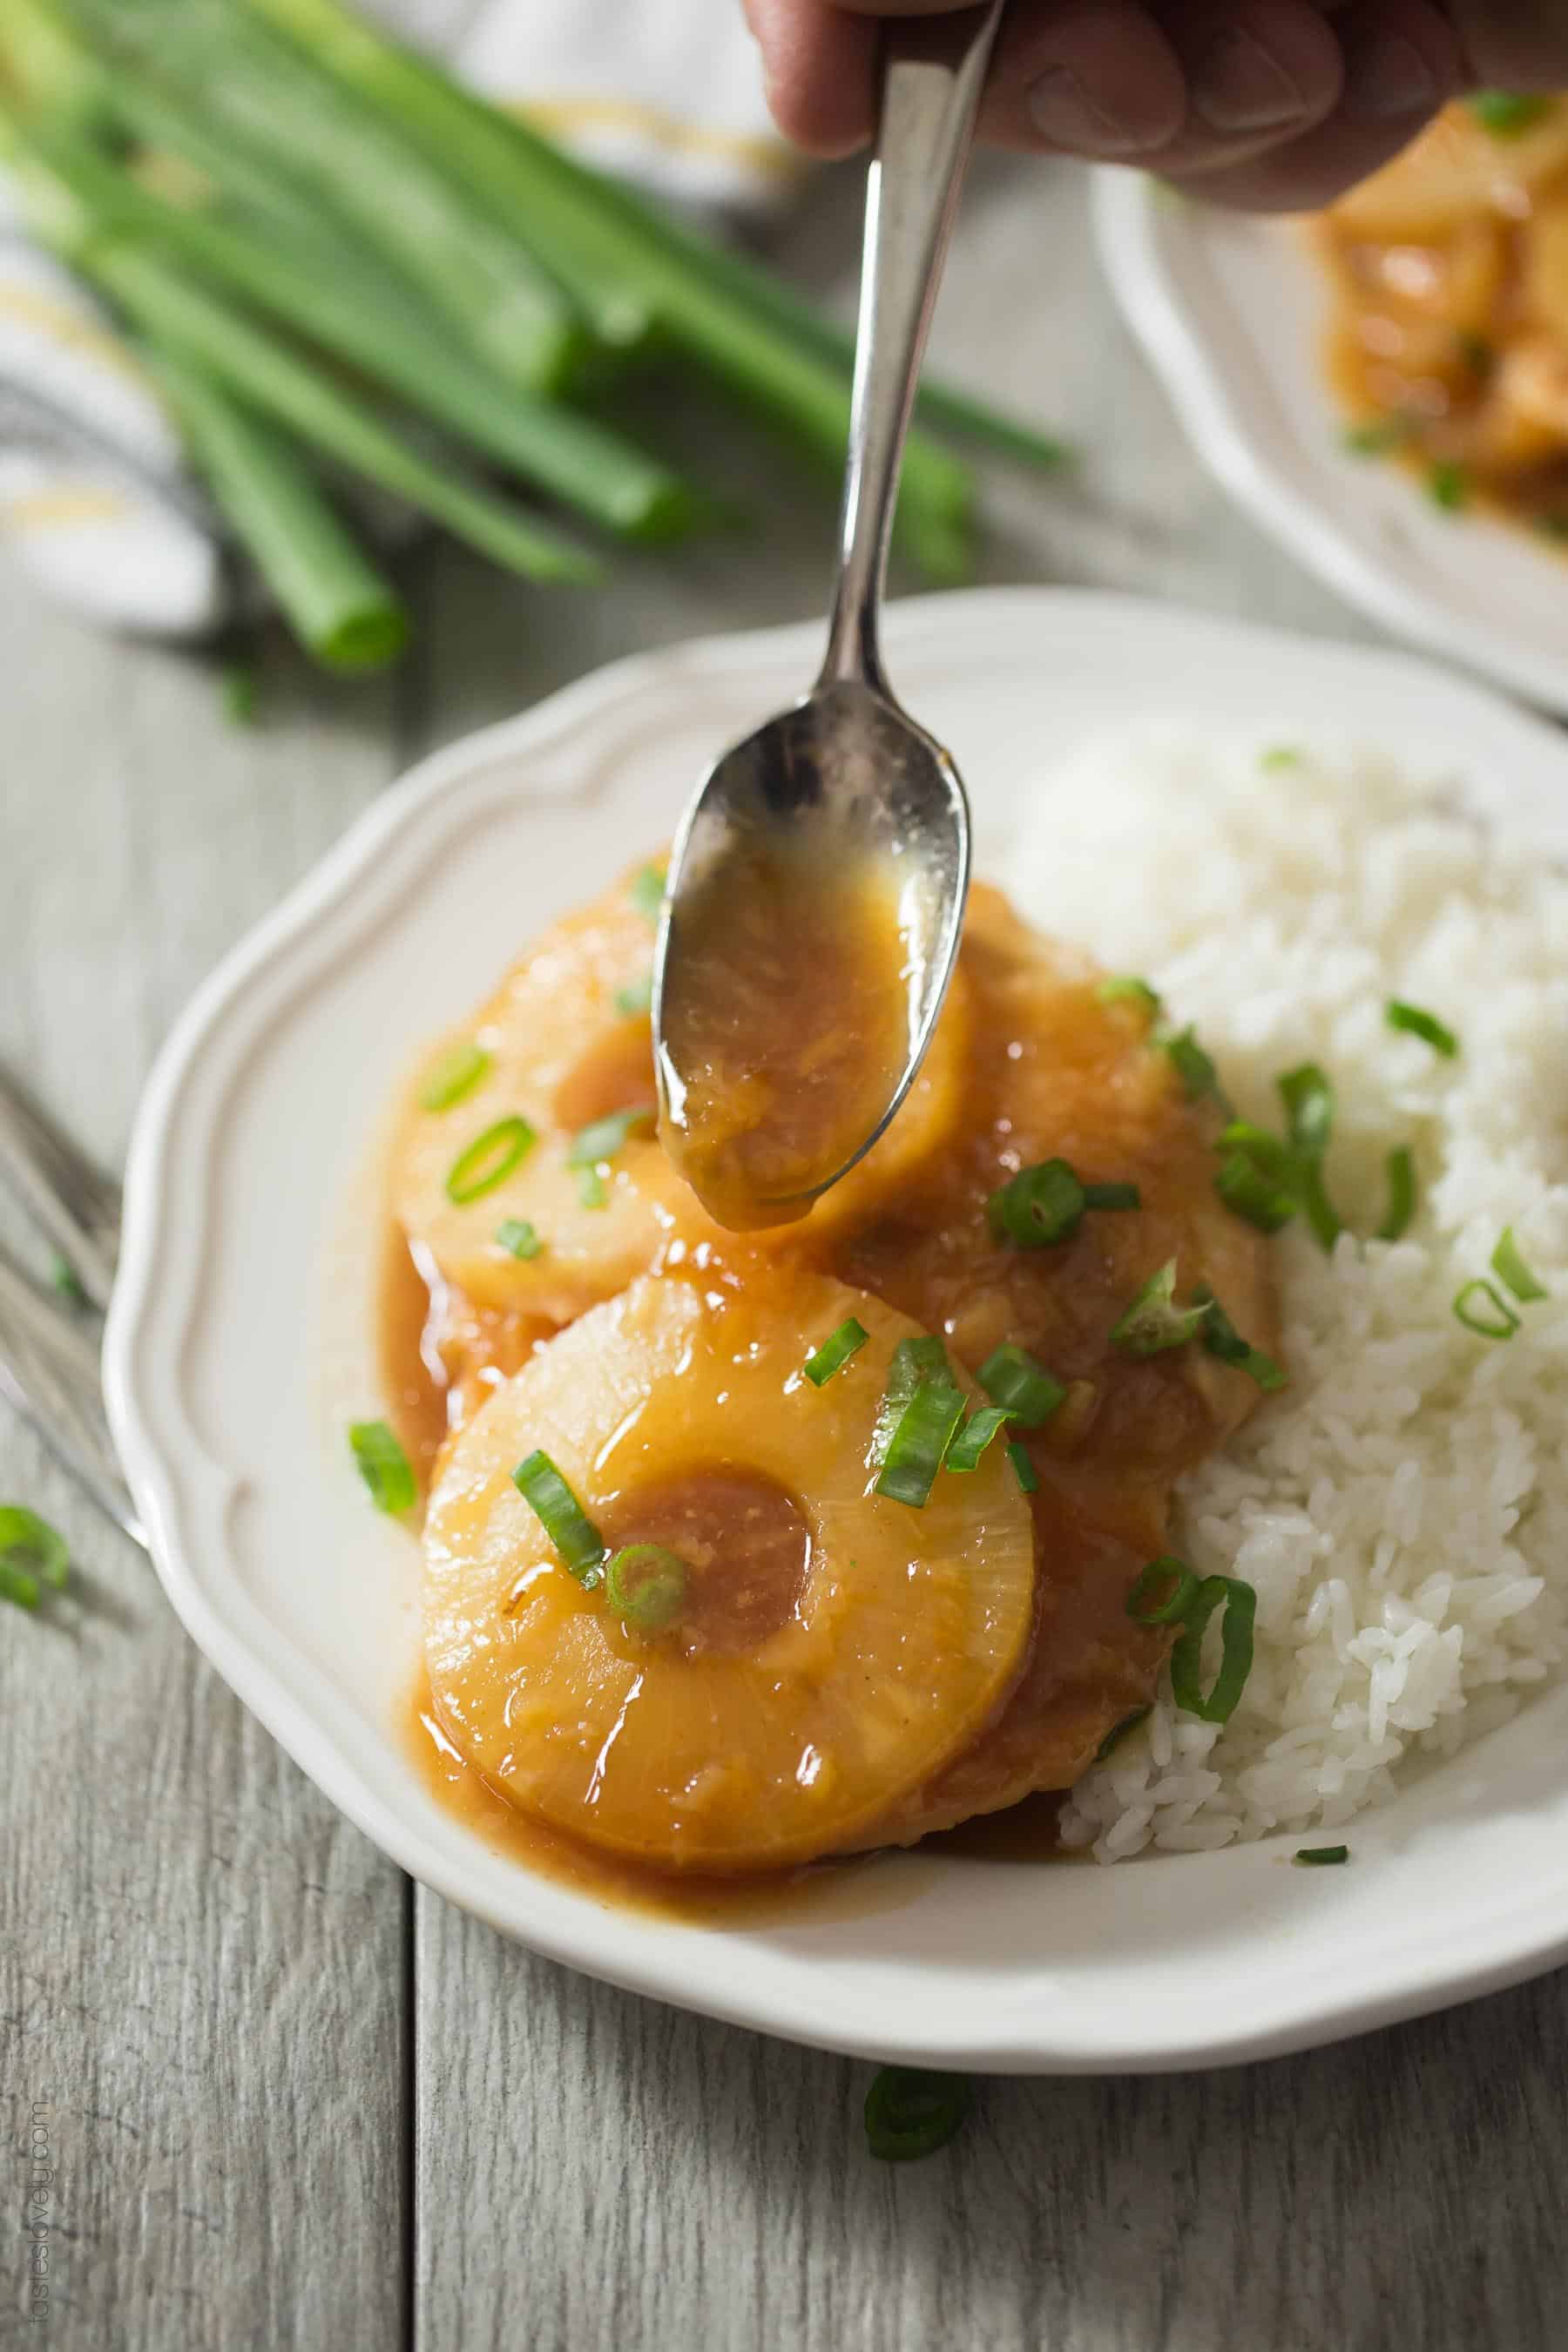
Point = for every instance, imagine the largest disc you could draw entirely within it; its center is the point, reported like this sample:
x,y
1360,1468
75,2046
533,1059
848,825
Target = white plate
x,y
1230,310
260,1113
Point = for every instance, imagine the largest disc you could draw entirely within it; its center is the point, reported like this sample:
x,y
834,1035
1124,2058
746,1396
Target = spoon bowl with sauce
x,y
818,881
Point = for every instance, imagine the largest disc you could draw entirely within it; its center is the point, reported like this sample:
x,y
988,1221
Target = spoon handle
x,y
930,95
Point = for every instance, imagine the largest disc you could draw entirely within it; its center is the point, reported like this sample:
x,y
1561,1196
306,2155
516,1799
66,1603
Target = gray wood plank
x,y
202,1967
598,2170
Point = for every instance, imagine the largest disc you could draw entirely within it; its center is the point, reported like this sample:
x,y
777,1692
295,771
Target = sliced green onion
x,y
383,1465
1112,1196
1222,1339
1240,1604
636,999
1500,1324
647,892
1401,1170
1119,1731
1449,485
1153,1322
919,1442
1506,112
1040,1205
1195,1068
1251,1195
968,1447
603,1137
1255,1143
836,1352
1414,1022
1376,437
562,1517
592,1190
1319,1857
912,1362
1309,1100
1507,1263
1171,1577
516,1236
67,1281
241,693
1026,1392
457,1074
646,1584
1024,1470
32,1549
1125,988
489,1160
1278,756
910,2114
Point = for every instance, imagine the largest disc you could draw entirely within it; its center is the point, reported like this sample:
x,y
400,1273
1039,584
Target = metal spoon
x,y
848,761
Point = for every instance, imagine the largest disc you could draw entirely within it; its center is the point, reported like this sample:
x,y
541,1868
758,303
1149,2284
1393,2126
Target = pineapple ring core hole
x,y
616,1073
745,1545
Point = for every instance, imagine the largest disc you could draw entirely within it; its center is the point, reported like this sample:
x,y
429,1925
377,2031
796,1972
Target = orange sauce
x,y
855,1886
789,1033
1448,336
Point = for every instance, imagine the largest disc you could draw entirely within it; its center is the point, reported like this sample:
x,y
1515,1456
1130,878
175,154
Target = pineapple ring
x,y
562,1052
901,1640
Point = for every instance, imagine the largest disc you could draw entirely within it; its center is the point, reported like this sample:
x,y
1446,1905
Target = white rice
x,y
1402,1509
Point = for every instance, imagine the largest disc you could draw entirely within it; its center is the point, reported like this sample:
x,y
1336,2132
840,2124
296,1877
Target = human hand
x,y
1277,105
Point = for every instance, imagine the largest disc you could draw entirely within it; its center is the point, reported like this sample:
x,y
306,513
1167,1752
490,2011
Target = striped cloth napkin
x,y
93,495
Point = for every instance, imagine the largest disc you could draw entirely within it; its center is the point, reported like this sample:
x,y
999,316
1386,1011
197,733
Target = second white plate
x,y
1229,310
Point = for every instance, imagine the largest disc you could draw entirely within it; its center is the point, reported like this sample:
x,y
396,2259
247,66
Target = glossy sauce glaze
x,y
1034,1064
787,1033
1447,342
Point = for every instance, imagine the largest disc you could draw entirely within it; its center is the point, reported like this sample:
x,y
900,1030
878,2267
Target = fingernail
x,y
1238,85
1064,113
1386,76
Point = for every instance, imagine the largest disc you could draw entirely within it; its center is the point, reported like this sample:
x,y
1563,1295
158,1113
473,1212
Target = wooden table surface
x,y
293,2100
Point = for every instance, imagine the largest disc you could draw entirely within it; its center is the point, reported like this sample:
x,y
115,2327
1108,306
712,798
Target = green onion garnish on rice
x,y
489,1160
1195,1068
1506,114
835,1351
646,1584
1414,1022
1125,988
383,1465
1401,1209
1507,1263
1026,1392
1482,1308
1309,1100
562,1517
636,999
919,1441
1239,1602
1319,1857
1152,1321
456,1075
1163,1593
603,1137
1222,1339
1255,1197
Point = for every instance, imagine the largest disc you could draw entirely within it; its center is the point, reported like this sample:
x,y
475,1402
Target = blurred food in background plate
x,y
1448,337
